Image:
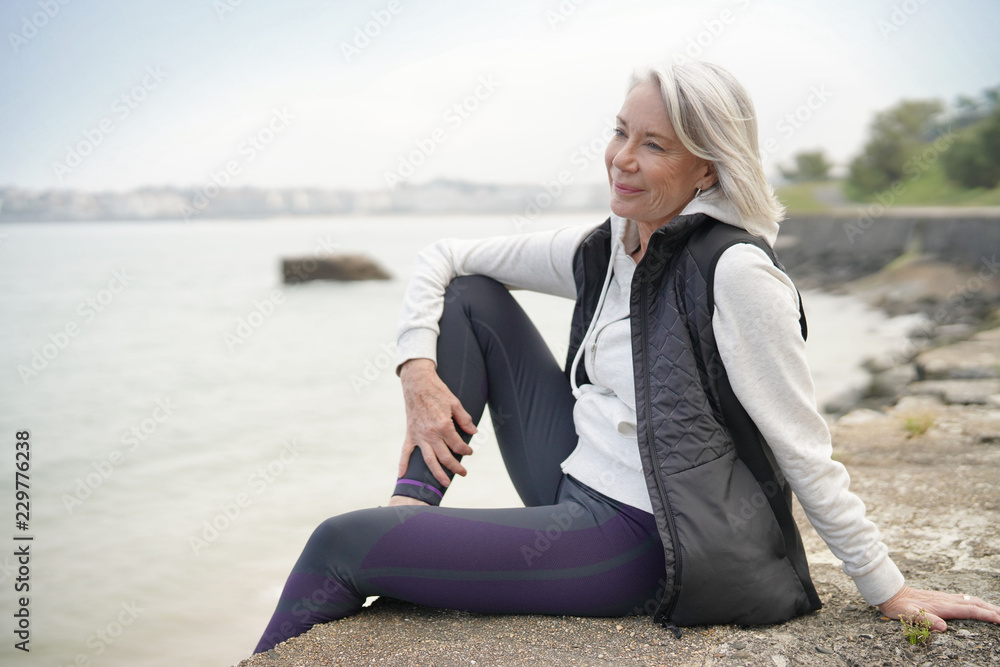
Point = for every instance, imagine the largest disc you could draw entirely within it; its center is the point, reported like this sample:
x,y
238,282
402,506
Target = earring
x,y
696,194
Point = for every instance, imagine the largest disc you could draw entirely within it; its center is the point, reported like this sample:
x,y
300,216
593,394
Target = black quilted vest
x,y
733,553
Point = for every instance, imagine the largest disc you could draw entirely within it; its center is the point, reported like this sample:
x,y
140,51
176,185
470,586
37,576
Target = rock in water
x,y
331,267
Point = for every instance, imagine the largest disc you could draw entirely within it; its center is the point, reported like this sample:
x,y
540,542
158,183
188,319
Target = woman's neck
x,y
646,230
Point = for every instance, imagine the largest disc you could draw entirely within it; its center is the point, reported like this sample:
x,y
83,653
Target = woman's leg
x,y
489,352
585,555
570,551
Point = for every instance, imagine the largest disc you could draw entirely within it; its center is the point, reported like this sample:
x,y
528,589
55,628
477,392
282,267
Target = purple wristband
x,y
421,484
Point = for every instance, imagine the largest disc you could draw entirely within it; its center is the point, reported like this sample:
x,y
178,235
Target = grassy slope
x,y
801,197
929,188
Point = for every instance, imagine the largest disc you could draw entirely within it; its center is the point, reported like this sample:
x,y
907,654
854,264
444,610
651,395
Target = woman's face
x,y
652,175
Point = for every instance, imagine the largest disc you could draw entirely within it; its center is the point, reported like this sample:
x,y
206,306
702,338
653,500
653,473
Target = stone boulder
x,y
976,358
959,392
331,267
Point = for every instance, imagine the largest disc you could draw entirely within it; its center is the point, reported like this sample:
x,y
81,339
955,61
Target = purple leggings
x,y
570,550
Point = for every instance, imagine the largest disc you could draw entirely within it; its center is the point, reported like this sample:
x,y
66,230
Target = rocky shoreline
x,y
944,306
922,443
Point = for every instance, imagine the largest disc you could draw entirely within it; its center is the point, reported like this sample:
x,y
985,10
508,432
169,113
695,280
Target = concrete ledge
x,y
851,243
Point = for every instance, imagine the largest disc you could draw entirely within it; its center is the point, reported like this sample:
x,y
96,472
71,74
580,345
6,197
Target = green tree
x,y
974,159
809,166
895,136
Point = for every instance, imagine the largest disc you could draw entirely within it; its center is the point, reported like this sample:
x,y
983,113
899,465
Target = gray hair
x,y
714,118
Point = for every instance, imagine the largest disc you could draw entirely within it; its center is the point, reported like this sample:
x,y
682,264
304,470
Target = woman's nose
x,y
624,159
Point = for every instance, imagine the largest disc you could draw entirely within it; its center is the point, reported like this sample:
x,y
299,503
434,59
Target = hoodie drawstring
x,y
593,322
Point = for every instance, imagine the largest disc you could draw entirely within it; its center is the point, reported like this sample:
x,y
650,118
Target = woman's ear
x,y
710,175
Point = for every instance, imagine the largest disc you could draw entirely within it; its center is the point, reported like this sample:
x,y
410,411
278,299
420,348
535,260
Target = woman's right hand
x,y
430,408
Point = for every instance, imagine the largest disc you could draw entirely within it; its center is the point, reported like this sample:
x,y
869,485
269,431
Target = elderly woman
x,y
656,470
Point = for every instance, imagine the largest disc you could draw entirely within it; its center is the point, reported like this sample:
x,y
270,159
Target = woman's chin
x,y
620,208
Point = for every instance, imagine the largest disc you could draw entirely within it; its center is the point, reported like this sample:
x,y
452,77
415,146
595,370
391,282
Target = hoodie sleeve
x,y
539,261
756,326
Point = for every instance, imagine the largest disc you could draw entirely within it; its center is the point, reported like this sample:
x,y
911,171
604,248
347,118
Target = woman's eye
x,y
619,132
654,146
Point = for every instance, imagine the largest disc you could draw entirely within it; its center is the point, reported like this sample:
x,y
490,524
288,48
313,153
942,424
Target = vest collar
x,y
712,204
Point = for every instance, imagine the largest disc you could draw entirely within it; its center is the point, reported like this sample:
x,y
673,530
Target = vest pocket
x,y
732,556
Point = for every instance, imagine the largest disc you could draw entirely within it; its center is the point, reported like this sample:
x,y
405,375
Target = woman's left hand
x,y
939,606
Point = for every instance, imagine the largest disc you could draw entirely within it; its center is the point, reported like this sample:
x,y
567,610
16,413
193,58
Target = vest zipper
x,y
656,463
597,336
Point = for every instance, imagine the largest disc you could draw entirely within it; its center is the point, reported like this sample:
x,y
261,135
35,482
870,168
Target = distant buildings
x,y
523,202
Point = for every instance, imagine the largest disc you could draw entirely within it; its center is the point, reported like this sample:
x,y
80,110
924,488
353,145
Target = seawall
x,y
828,249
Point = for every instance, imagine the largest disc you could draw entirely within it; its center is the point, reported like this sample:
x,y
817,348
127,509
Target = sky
x,y
373,93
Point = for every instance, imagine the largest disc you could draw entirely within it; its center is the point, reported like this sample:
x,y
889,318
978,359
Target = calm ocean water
x,y
192,419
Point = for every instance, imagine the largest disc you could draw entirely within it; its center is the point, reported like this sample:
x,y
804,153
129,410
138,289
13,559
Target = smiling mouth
x,y
625,190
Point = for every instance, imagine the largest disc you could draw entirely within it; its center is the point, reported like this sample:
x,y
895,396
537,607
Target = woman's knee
x,y
346,538
336,538
473,289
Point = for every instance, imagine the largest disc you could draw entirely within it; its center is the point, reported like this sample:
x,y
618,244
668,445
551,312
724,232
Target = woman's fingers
x,y
454,441
937,623
431,409
435,447
434,460
937,607
464,419
980,610
404,458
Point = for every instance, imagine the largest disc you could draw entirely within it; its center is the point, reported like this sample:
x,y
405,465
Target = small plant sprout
x,y
918,424
916,627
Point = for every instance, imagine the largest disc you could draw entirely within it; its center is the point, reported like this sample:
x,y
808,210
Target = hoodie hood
x,y
718,205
